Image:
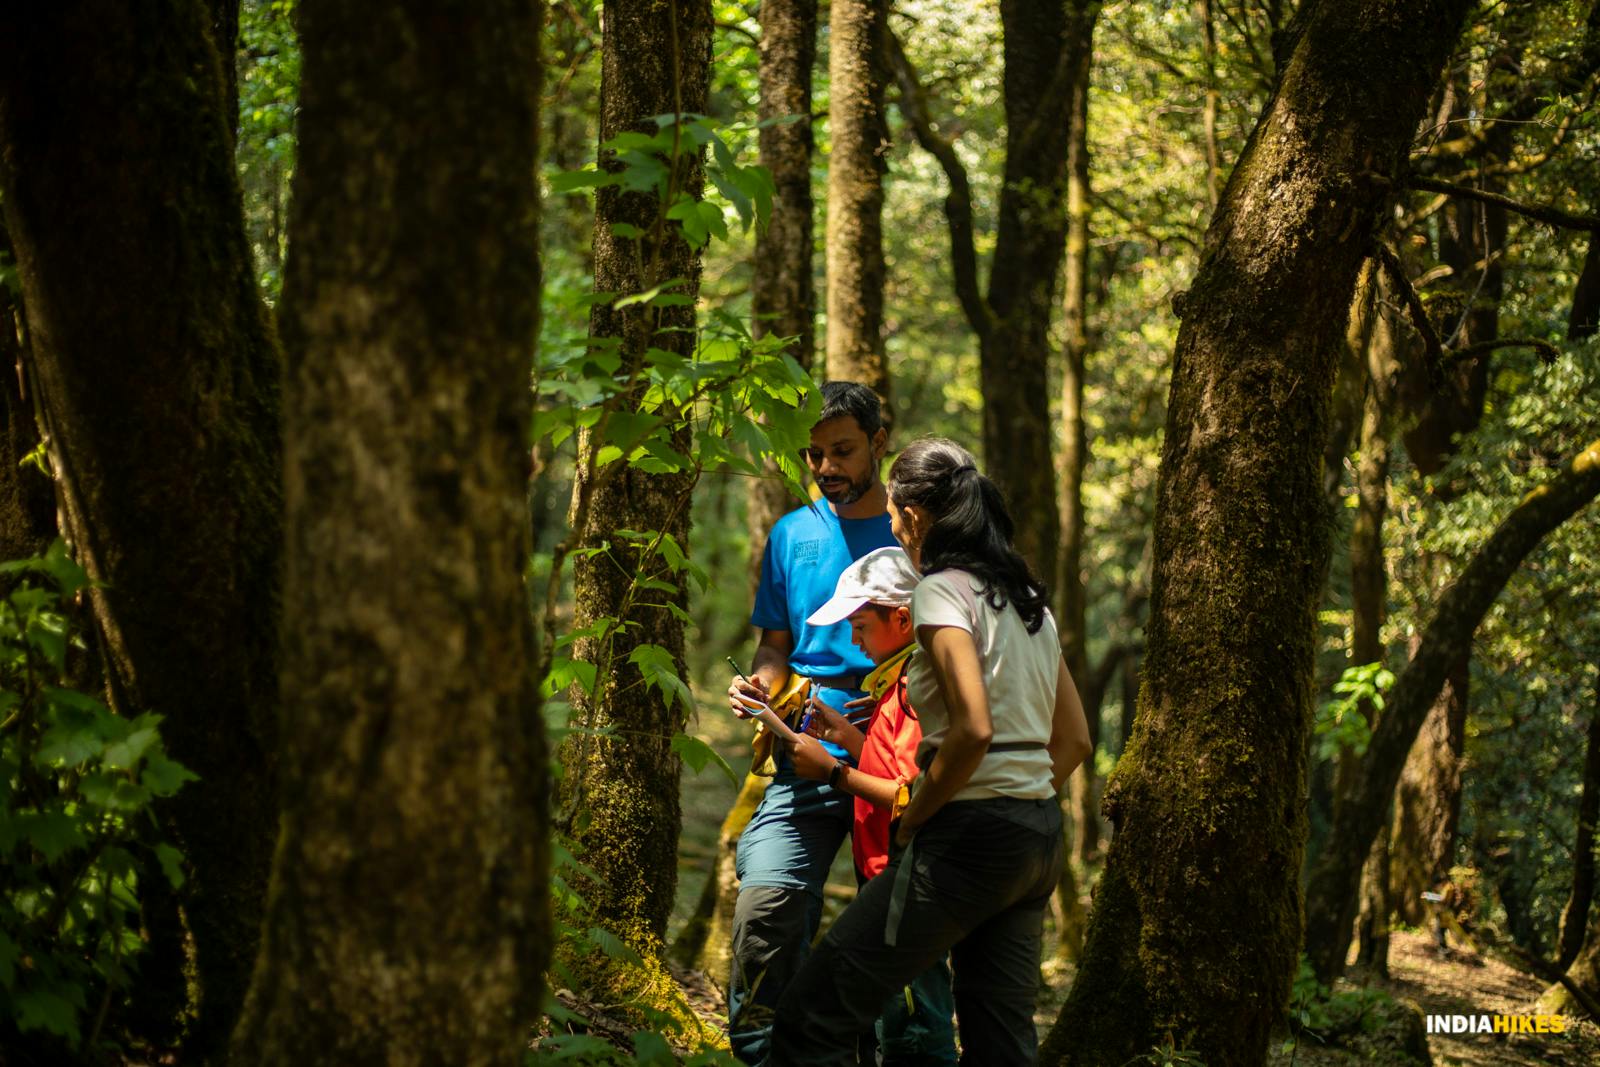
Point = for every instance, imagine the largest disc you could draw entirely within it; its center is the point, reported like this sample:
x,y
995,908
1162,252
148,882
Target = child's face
x,y
880,631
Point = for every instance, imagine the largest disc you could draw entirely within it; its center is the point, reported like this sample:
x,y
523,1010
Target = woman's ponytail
x,y
972,529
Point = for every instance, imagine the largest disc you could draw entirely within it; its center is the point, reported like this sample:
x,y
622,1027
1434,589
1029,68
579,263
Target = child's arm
x,y
812,761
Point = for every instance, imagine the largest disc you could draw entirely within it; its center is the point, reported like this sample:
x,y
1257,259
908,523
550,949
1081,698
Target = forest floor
x,y
1455,983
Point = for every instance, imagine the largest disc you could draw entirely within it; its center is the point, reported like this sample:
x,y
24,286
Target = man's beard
x,y
851,492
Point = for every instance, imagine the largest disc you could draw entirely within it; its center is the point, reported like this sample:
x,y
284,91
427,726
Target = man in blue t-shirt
x,y
785,852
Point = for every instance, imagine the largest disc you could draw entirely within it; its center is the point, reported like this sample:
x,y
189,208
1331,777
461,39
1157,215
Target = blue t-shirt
x,y
807,551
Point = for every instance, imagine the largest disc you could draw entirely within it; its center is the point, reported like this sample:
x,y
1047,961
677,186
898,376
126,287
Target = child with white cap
x,y
874,593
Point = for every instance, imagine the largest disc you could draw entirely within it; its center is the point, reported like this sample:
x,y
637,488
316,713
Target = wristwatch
x,y
833,775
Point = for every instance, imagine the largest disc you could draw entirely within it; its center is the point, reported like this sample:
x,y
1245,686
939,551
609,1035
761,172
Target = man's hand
x,y
811,760
741,694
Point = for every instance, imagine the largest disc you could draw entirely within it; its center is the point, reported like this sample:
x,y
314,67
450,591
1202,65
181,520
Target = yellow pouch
x,y
787,703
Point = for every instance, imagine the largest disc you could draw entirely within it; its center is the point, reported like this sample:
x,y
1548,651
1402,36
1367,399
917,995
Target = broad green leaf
x,y
53,832
171,861
164,776
697,754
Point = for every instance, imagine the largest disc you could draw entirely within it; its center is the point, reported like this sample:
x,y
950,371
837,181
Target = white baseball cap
x,y
885,576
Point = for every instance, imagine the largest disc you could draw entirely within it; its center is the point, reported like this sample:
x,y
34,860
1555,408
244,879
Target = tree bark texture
x,y
157,375
407,922
1047,46
27,496
1575,916
1428,800
1331,892
859,135
1195,930
783,296
1074,458
1369,593
619,793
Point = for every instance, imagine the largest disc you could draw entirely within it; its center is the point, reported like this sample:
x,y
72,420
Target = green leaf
x,y
698,755
650,1048
612,945
572,1046
171,861
563,672
124,755
164,776
660,671
53,832
687,213
573,181
53,1010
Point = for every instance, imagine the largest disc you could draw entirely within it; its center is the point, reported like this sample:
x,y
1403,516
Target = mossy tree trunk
x,y
1074,457
619,793
27,497
1575,916
157,376
1369,585
1195,929
859,136
407,921
783,295
1331,892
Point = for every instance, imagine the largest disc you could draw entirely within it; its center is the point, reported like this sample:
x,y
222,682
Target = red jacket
x,y
889,751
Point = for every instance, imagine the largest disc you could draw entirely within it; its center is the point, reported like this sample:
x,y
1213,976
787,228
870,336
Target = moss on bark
x,y
407,922
157,377
1195,930
619,792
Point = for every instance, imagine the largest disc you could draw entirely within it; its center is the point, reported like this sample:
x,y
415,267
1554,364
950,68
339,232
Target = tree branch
x,y
1432,347
958,203
1552,216
1547,351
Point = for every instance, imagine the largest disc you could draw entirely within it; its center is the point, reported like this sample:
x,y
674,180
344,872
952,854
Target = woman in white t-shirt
x,y
1002,729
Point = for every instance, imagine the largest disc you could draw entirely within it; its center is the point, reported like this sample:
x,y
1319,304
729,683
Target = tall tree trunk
x,y
784,299
785,303
1208,29
1428,800
1208,799
860,136
158,385
1074,458
619,795
1330,895
407,921
1369,593
27,496
1575,916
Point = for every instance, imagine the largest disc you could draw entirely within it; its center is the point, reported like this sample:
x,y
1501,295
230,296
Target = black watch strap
x,y
834,775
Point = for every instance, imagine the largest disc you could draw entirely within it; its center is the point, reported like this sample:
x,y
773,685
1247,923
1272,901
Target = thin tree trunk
x,y
1330,895
158,384
859,136
1074,457
1427,800
27,496
619,794
1575,916
784,299
407,921
1195,929
1369,592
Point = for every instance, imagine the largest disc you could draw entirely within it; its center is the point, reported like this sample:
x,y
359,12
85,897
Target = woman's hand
x,y
829,725
811,760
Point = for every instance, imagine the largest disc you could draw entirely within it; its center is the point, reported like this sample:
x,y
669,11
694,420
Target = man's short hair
x,y
853,399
